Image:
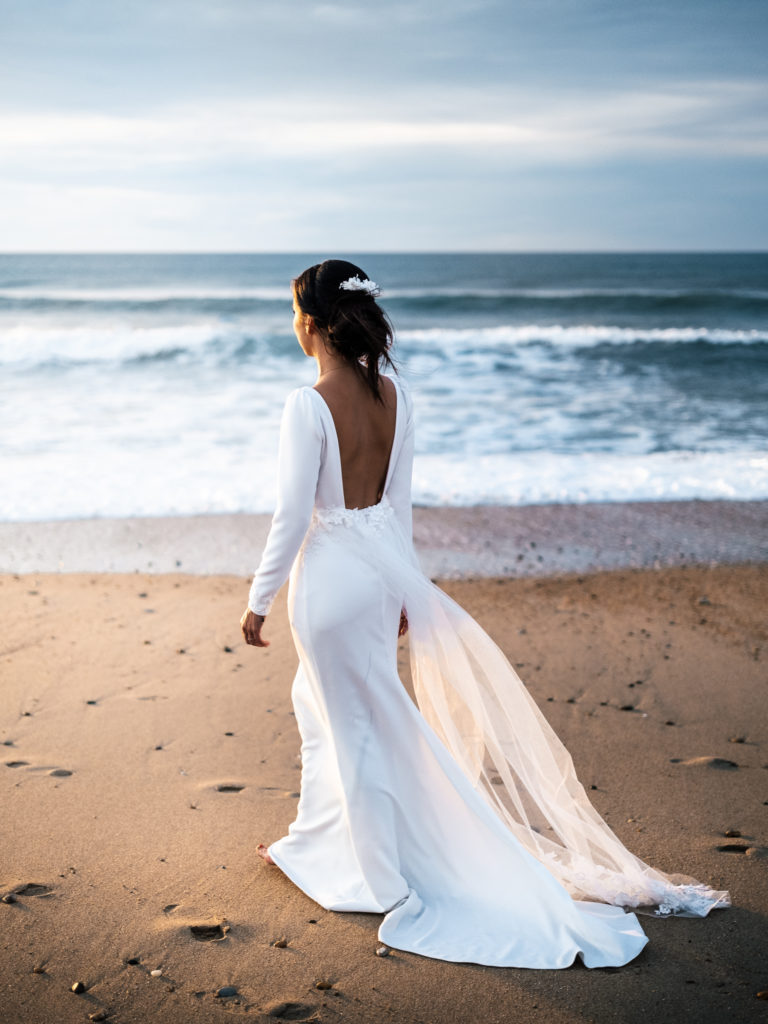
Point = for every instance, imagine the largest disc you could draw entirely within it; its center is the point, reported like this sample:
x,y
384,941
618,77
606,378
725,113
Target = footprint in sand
x,y
56,772
33,889
705,762
208,932
284,1010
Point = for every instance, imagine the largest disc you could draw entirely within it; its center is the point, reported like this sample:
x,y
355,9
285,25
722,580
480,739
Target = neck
x,y
331,364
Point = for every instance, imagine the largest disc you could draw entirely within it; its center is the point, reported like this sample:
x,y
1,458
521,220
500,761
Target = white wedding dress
x,y
461,820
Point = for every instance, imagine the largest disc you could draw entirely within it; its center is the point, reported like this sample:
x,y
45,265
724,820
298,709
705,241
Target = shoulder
x,y
303,409
403,393
301,399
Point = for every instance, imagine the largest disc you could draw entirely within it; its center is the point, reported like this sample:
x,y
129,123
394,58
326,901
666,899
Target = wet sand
x,y
148,751
453,543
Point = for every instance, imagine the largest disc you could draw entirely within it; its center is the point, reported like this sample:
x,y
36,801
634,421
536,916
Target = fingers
x,y
251,625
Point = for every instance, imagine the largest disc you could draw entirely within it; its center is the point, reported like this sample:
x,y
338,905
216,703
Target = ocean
x,y
153,384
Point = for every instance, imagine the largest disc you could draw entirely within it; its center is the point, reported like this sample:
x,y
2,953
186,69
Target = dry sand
x,y
148,751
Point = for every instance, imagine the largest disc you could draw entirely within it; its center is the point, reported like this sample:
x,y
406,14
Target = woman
x,y
461,820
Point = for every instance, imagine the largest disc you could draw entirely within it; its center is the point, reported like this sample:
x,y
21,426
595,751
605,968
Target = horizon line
x,y
387,252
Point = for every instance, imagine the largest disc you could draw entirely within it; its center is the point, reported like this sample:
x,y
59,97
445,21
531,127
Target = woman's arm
x,y
300,454
399,491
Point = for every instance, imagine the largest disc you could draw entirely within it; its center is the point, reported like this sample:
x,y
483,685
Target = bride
x,y
461,820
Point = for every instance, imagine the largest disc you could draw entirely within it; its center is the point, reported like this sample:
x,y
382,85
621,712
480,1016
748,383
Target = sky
x,y
458,125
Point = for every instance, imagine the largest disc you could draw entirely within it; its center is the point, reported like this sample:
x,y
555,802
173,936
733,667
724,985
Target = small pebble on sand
x,y
225,991
77,988
382,951
157,973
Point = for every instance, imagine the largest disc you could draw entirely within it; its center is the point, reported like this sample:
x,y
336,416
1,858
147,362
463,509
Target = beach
x,y
590,481
148,750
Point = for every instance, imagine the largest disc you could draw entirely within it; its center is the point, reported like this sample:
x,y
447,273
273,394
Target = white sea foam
x,y
529,478
580,335
34,342
30,345
187,478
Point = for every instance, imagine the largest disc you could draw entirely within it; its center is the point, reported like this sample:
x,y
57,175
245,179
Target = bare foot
x,y
262,852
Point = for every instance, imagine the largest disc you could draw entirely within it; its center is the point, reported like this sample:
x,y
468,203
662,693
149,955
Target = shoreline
x,y
452,542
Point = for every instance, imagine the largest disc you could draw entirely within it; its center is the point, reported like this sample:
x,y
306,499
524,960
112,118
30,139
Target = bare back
x,y
365,430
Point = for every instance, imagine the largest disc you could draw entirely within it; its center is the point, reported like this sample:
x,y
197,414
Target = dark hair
x,y
352,321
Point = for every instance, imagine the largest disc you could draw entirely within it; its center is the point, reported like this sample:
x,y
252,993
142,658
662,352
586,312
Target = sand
x,y
148,750
453,543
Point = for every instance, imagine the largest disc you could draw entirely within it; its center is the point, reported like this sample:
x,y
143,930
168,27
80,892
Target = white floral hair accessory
x,y
355,284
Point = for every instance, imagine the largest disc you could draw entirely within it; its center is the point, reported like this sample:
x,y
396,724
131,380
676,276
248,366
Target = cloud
x,y
256,122
694,121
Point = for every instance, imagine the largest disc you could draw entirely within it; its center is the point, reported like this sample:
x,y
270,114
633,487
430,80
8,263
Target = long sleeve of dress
x,y
300,454
399,490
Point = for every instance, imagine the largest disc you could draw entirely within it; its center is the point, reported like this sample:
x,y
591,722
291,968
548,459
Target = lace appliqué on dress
x,y
657,897
324,521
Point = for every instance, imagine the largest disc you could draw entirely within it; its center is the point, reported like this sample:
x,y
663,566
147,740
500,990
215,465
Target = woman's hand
x,y
403,624
251,624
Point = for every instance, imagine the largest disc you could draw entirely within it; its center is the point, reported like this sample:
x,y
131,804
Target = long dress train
x,y
462,819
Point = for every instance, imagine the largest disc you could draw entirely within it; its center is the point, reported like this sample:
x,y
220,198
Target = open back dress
x,y
460,819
